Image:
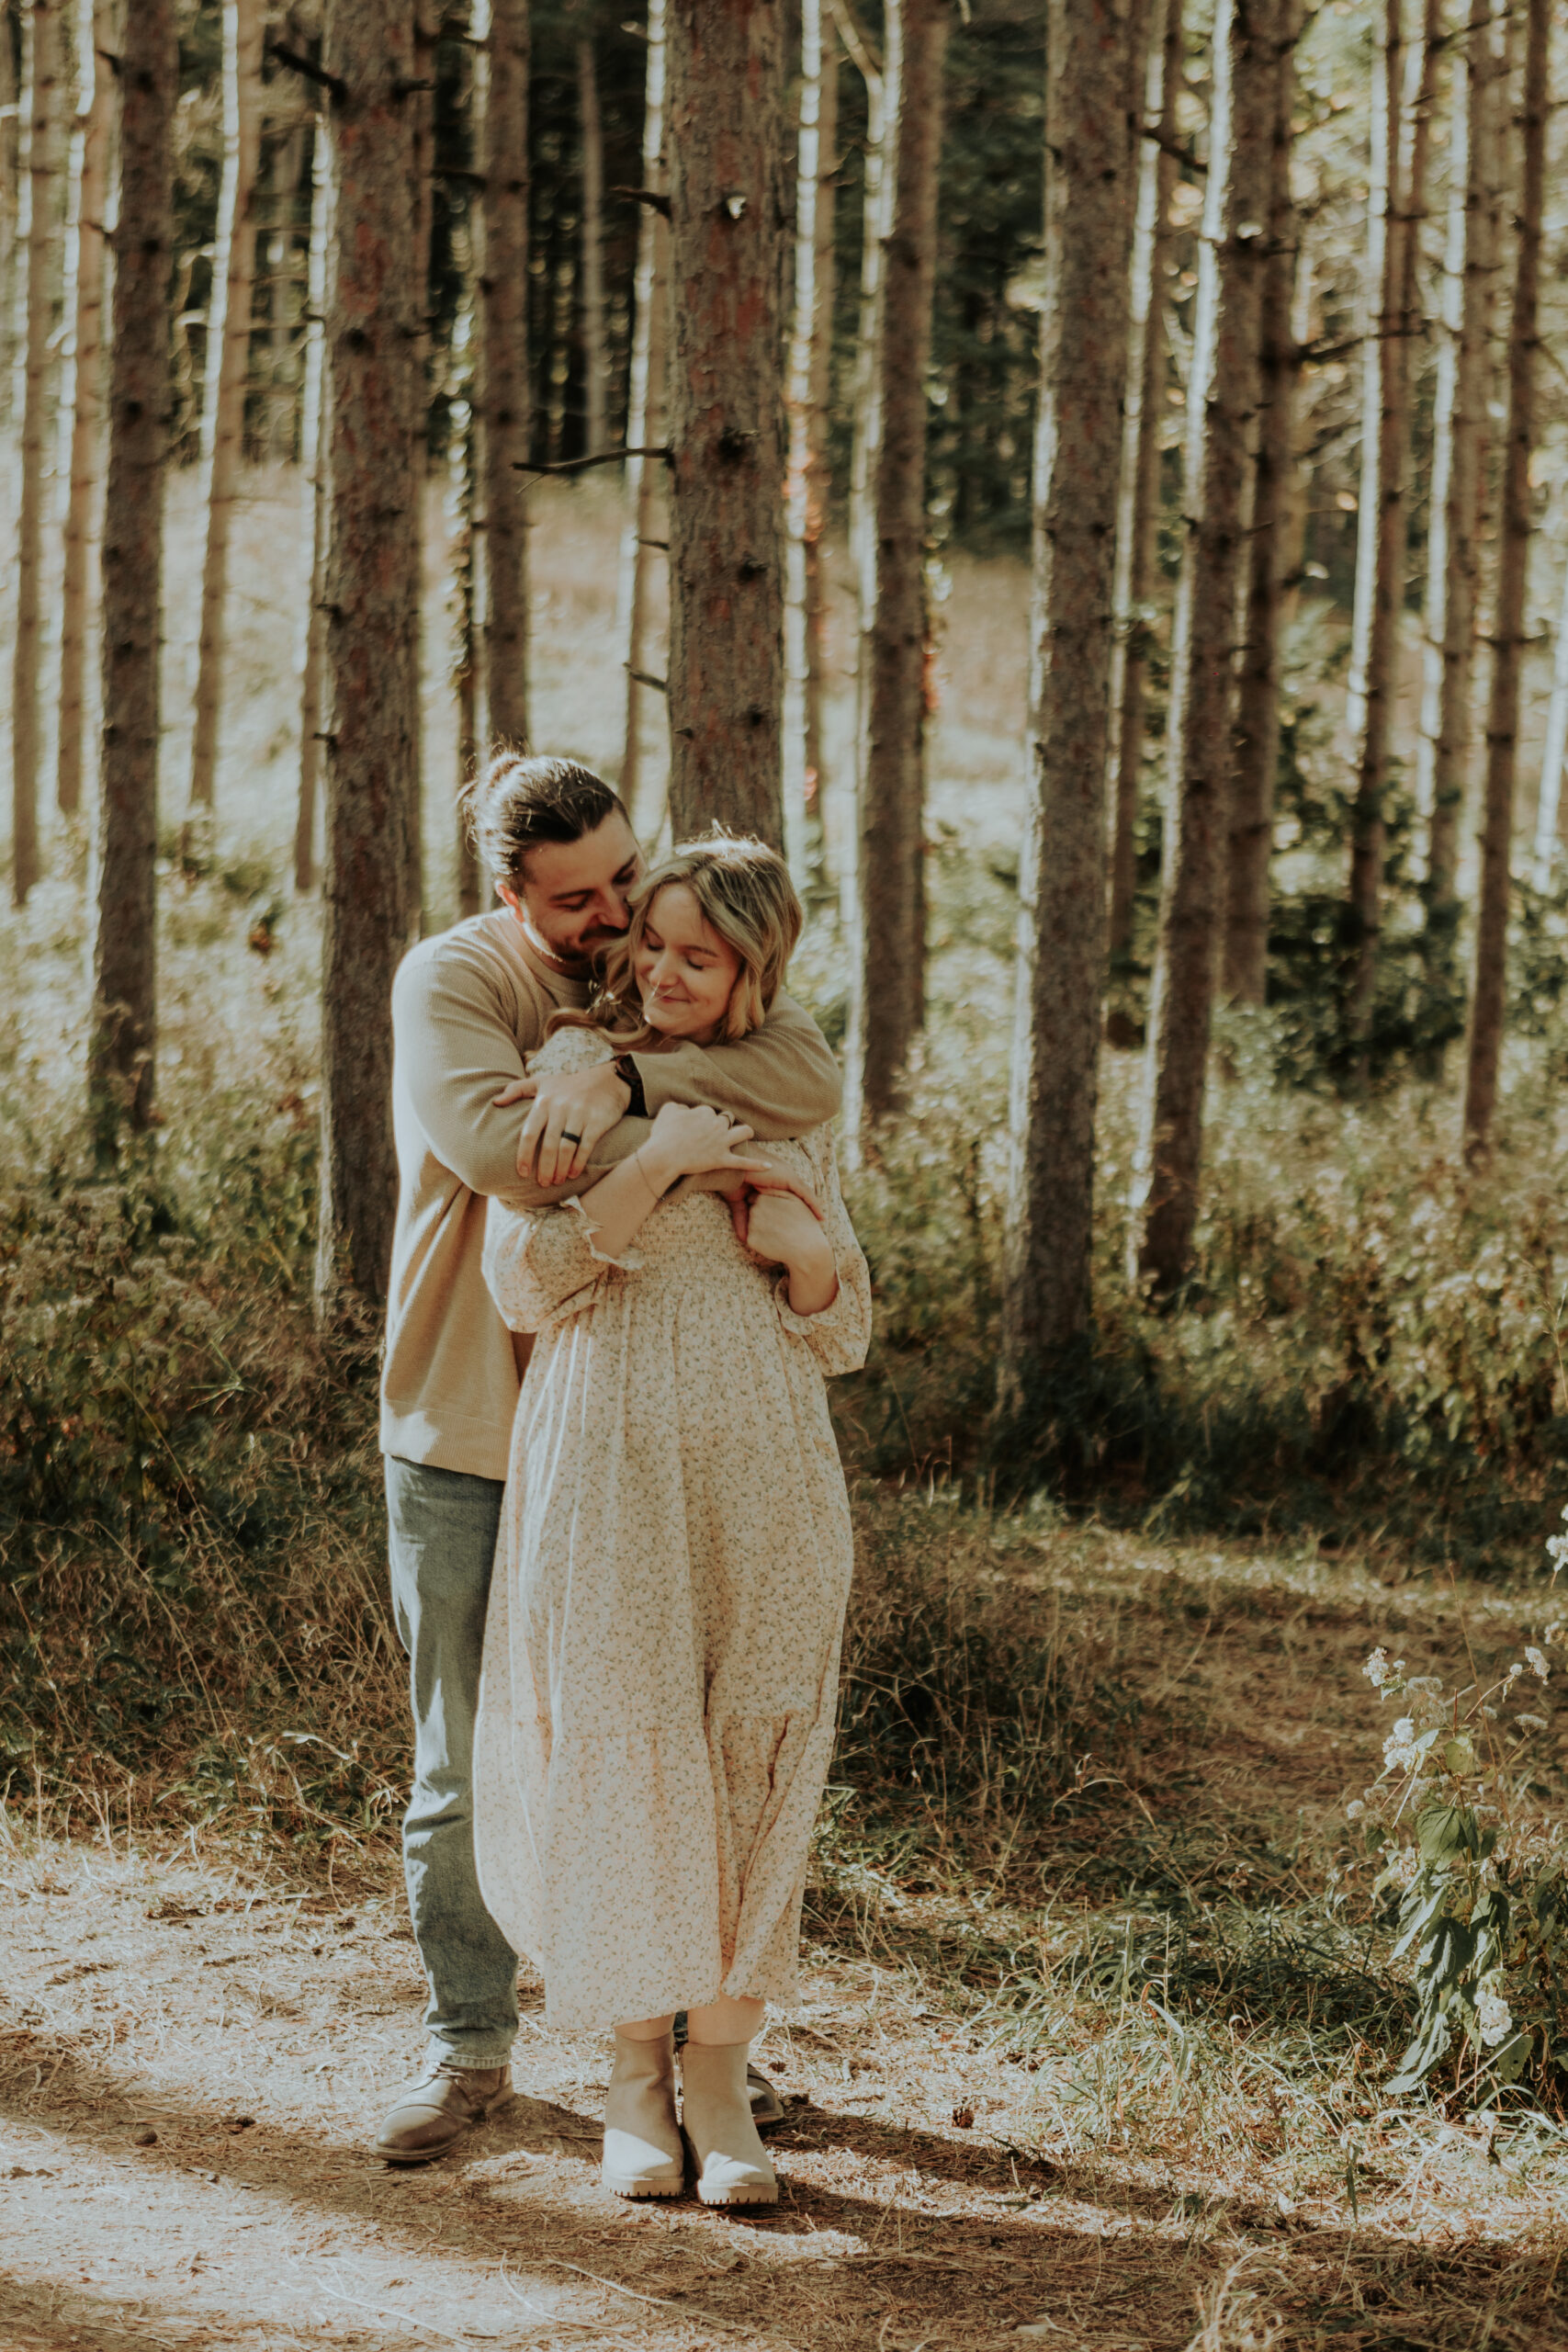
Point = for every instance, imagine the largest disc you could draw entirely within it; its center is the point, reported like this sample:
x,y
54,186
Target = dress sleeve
x,y
541,1261
840,1336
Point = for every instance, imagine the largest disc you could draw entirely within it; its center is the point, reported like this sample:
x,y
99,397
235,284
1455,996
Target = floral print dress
x,y
662,1652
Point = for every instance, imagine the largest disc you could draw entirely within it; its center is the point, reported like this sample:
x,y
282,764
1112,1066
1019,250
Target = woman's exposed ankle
x,y
643,2152
732,2165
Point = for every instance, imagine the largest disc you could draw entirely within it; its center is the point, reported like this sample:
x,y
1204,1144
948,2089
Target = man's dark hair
x,y
516,802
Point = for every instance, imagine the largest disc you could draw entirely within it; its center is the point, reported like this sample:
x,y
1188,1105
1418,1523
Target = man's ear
x,y
511,898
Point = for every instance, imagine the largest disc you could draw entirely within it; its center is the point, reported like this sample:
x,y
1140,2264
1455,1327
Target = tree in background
x,y
595,356
728,211
887,979
124,1033
84,309
311,635
227,369
1461,434
370,884
1255,754
1515,525
1222,399
43,104
1138,520
1060,974
1402,96
808,334
644,411
501,395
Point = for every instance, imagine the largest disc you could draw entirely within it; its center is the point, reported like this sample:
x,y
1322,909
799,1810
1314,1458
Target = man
x,y
466,1007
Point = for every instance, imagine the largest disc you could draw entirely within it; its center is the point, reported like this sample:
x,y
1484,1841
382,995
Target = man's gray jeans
x,y
442,1528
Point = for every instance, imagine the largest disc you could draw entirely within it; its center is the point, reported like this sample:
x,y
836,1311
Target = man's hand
x,y
572,1111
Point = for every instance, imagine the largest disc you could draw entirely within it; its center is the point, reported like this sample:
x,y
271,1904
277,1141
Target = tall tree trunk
x,y
311,639
595,361
95,109
121,1051
1461,434
819,472
286,160
370,887
645,412
1549,800
727,212
500,371
44,103
1403,95
1090,178
1489,990
1137,522
810,324
887,983
11,152
1222,396
1256,748
227,367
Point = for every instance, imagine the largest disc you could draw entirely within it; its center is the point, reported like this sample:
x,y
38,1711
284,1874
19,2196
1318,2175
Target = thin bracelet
x,y
637,1162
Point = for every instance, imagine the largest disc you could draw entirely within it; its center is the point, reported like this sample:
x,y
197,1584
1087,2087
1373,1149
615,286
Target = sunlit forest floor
x,y
1097,1996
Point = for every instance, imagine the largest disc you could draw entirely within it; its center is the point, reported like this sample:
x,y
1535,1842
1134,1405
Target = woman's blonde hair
x,y
745,893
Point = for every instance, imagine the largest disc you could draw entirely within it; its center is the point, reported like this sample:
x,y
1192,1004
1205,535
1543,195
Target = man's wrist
x,y
631,1077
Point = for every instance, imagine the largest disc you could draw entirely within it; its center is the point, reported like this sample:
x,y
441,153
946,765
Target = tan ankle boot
x,y
716,2112
643,2154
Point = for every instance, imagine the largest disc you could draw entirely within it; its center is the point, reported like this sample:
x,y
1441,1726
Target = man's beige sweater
x,y
466,1007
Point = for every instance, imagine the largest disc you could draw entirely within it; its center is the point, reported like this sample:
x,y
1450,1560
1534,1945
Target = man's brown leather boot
x,y
433,2114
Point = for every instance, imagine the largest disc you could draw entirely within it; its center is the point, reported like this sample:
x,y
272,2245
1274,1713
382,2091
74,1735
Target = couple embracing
x,y
620,1533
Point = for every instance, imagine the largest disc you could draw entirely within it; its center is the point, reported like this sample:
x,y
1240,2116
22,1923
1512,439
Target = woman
x,y
662,1652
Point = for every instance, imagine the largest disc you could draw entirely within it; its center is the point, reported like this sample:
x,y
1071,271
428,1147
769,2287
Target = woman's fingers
x,y
779,1180
741,1216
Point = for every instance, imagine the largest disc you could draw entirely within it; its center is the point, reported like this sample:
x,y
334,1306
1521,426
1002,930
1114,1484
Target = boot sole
x,y
720,2197
639,2191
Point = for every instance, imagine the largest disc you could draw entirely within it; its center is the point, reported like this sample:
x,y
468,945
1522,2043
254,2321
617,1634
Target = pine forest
x,y
1086,483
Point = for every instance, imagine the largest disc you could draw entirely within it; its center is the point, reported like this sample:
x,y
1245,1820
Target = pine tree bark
x,y
1488,992
1137,522
1549,800
227,367
1222,397
887,985
10,206
1090,179
370,885
811,322
728,207
595,360
120,1049
96,109
819,472
502,389
645,414
311,651
1256,748
1461,438
280,397
1402,103
44,103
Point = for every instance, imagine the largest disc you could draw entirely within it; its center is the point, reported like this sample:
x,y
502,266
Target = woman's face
x,y
685,971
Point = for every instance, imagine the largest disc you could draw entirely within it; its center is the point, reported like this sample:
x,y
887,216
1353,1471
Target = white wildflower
x,y
1399,1750
1378,1668
1531,1723
1493,2016
1514,1673
1433,1682
1354,1809
1535,1662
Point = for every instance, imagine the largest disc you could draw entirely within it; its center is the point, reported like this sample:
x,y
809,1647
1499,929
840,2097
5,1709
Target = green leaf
x,y
1444,1830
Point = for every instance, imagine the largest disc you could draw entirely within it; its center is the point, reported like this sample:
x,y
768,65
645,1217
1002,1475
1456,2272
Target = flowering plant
x,y
1480,1871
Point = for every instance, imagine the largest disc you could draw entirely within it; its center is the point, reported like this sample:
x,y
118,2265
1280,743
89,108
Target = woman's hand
x,y
740,1186
689,1139
781,1229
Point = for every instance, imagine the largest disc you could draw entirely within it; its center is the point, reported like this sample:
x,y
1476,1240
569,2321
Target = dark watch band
x,y
628,1070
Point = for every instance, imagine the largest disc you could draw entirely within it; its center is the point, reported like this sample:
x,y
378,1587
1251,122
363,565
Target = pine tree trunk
x,y
811,323
1137,522
645,414
10,206
370,890
819,472
286,161
1489,990
887,985
1090,181
120,1067
1222,396
96,110
227,367
1549,800
501,403
311,642
44,102
1402,98
595,362
1257,747
1461,435
728,214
